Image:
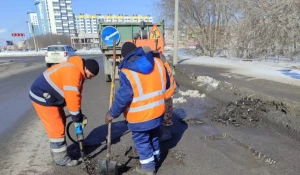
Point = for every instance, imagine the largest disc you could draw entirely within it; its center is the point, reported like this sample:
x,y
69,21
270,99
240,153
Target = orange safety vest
x,y
148,94
170,91
67,79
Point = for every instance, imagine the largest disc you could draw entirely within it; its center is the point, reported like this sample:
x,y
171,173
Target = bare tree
x,y
272,28
206,21
243,28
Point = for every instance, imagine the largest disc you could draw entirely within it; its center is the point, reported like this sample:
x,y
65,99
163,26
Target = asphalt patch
x,y
240,156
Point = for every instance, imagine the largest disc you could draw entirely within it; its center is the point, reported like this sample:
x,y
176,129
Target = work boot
x,y
63,159
166,133
140,170
73,163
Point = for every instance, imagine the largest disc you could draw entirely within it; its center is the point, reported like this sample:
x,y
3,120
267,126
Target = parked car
x,y
58,53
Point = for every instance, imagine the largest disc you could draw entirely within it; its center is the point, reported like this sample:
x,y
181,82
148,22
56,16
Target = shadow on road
x,y
178,128
97,138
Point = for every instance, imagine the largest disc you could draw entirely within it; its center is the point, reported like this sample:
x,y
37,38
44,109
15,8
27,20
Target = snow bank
x,y
91,51
19,53
42,53
282,71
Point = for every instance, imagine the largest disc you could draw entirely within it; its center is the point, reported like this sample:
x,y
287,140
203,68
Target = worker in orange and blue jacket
x,y
59,86
141,96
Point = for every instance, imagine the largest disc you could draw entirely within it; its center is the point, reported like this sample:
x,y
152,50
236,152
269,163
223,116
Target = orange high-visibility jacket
x,y
148,93
61,84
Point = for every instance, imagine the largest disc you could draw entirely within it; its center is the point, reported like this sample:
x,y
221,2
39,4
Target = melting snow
x,y
208,81
179,100
191,93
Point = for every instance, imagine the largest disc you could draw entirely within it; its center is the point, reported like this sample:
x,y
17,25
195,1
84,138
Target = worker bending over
x,y
59,86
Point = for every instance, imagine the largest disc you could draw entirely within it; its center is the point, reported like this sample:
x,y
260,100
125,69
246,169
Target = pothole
x,y
126,162
238,151
91,166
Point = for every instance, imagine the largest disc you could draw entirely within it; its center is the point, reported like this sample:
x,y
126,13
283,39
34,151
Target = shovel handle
x,y
112,89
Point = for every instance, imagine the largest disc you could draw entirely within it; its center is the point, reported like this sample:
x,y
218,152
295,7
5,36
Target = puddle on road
x,y
290,73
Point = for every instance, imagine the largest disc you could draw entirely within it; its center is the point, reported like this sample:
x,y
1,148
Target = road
x,y
197,148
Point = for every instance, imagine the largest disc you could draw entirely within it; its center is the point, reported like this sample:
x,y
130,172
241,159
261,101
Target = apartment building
x,y
55,16
33,24
86,23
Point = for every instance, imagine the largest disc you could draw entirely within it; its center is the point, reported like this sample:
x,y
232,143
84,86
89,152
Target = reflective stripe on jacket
x,y
60,84
148,94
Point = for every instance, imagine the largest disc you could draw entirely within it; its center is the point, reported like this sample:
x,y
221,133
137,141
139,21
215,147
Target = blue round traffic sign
x,y
108,34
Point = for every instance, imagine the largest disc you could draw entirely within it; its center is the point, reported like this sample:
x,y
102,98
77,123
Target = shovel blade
x,y
108,167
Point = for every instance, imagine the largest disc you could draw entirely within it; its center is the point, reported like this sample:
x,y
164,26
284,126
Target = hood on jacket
x,y
78,62
138,61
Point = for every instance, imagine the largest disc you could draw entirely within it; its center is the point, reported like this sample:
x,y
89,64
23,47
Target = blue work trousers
x,y
147,146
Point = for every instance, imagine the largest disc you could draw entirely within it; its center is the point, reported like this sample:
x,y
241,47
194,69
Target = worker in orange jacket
x,y
59,86
167,123
141,97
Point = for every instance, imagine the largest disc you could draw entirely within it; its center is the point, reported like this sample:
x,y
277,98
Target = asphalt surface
x,y
196,147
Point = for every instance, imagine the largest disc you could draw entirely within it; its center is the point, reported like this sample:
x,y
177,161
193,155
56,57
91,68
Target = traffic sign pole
x,y
175,56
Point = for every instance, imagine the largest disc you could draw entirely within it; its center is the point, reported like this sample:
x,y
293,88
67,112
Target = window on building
x,y
55,4
58,24
56,12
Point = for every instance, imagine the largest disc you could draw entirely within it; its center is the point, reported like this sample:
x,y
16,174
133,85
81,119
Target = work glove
x,y
108,118
83,122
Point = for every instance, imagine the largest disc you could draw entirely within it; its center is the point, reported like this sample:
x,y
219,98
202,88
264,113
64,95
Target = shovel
x,y
109,167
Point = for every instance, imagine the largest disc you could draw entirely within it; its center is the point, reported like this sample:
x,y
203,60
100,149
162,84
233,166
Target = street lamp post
x,y
28,45
35,43
175,56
